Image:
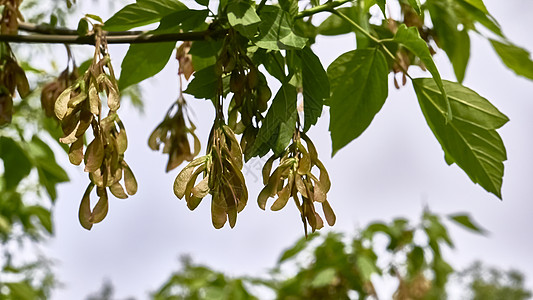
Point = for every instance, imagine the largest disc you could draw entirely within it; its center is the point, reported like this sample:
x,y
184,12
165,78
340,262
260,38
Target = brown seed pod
x,y
10,16
293,177
222,178
78,107
12,77
173,132
185,60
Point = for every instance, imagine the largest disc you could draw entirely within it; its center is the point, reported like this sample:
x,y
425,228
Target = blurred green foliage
x,y
335,266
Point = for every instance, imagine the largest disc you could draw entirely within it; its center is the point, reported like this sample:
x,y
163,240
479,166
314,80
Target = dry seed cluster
x,y
52,90
404,57
11,77
186,67
79,107
222,178
173,133
249,87
294,176
10,16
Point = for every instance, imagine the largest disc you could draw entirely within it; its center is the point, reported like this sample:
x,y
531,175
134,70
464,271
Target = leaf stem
x,y
371,37
357,26
328,6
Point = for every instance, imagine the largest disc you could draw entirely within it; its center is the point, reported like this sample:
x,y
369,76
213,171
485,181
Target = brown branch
x,y
51,30
114,39
47,34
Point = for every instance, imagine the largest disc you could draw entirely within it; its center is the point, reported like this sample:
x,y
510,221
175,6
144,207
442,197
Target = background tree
x,y
338,267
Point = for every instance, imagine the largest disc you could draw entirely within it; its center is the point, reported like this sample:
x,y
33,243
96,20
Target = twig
x,y
47,29
114,39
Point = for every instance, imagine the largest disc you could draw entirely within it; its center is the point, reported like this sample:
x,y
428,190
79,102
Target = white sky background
x,y
393,169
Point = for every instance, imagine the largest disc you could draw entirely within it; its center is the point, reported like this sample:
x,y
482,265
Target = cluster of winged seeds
x,y
51,91
79,107
11,77
249,87
221,166
173,133
222,177
10,16
294,176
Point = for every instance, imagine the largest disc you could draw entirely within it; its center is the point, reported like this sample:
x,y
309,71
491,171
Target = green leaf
x,y
143,61
275,30
202,2
17,165
481,15
29,68
306,29
478,4
515,58
374,228
410,38
5,225
143,12
146,60
242,16
21,290
94,17
204,53
442,270
470,138
436,231
416,6
44,216
134,94
297,248
460,54
50,173
315,83
278,126
367,4
381,4
183,20
204,83
466,221
83,27
290,6
273,61
455,43
359,88
129,17
366,267
416,260
324,277
335,25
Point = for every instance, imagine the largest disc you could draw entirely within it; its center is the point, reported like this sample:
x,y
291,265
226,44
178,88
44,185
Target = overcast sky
x,y
393,169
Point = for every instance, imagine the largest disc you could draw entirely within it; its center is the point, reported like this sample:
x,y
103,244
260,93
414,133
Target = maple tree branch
x,y
114,39
52,30
47,34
